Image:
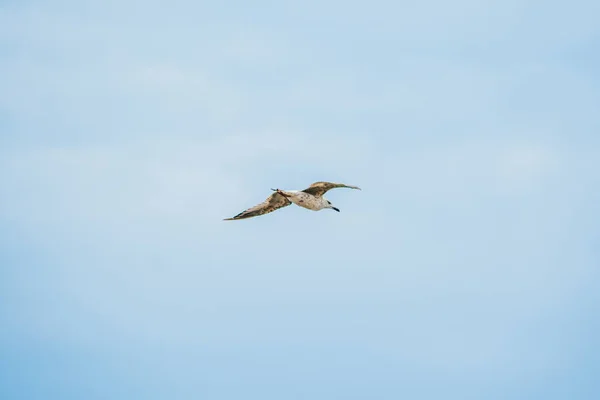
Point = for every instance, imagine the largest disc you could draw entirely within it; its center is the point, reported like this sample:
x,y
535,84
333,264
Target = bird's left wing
x,y
272,203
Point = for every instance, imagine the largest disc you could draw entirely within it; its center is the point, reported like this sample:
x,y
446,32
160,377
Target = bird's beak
x,y
336,209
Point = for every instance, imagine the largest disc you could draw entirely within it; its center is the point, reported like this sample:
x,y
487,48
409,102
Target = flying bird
x,y
311,198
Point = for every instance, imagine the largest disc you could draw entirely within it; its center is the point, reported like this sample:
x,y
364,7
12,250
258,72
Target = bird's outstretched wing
x,y
272,203
320,188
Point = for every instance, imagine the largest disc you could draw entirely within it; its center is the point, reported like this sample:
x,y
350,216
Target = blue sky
x,y
466,268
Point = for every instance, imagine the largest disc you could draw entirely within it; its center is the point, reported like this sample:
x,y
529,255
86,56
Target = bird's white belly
x,y
308,201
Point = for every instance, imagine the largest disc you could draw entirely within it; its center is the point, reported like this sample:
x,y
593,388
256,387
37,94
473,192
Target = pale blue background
x,y
467,268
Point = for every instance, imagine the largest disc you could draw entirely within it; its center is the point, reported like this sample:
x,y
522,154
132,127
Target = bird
x,y
310,198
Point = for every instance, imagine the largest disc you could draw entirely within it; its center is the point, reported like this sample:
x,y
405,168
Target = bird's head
x,y
329,205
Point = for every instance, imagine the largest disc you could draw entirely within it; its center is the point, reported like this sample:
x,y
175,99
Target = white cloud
x,y
458,171
525,164
161,179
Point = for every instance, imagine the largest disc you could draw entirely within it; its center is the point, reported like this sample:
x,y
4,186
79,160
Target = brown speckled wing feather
x,y
320,188
272,203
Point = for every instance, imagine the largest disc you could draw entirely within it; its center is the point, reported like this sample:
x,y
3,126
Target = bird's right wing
x,y
272,203
320,188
